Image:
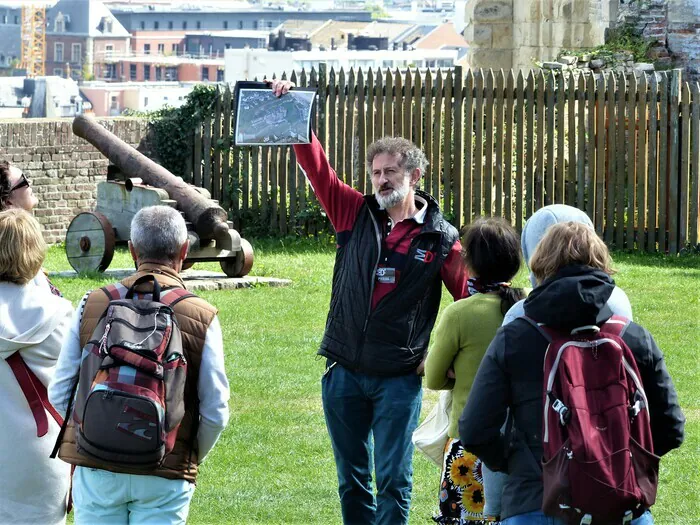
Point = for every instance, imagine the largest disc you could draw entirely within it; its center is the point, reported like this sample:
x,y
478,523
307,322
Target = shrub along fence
x,y
625,149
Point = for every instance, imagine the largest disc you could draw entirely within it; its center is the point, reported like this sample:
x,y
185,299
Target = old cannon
x,y
133,182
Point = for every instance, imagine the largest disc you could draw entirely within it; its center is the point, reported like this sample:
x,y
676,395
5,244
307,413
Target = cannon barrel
x,y
208,218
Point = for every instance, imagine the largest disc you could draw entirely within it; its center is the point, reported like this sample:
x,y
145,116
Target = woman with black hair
x,y
491,253
16,192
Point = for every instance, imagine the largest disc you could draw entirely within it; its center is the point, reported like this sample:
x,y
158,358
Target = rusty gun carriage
x,y
134,181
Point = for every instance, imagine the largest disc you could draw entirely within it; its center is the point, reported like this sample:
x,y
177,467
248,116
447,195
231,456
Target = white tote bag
x,y
431,435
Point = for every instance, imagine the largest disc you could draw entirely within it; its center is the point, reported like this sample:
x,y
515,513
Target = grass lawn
x,y
274,463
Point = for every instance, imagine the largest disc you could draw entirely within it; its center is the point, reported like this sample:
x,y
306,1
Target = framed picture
x,y
262,119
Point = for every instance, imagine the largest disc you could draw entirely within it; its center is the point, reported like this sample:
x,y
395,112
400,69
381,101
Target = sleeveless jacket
x,y
194,316
391,339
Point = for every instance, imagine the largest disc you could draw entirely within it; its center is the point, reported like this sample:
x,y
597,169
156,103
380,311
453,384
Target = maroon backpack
x,y
598,464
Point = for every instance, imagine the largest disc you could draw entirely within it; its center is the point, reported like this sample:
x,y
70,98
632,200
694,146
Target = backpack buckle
x,y
627,518
563,411
638,405
586,520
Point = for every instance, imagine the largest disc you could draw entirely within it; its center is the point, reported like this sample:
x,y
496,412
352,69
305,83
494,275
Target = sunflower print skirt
x,y
461,488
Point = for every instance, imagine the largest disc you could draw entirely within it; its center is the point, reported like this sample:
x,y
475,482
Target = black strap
x,y
67,417
537,327
145,279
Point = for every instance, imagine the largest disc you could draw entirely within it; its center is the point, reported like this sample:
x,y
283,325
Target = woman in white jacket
x,y
33,321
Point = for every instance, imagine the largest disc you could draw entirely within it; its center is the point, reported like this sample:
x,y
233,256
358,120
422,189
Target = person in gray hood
x,y
535,228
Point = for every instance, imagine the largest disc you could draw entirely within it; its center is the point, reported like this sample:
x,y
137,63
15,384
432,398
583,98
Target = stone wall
x,y
684,34
511,33
64,169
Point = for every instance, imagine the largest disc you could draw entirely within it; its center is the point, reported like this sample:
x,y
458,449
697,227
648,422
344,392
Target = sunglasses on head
x,y
23,182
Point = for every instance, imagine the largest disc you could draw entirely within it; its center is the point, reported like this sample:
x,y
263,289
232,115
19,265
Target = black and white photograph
x,y
262,119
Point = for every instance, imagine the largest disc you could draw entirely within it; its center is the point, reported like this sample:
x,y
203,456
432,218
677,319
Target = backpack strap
x,y
616,325
172,296
35,393
541,328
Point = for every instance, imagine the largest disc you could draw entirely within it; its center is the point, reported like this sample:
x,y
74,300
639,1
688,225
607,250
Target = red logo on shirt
x,y
424,256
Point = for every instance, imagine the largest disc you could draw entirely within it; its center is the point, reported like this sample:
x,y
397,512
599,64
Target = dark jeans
x,y
538,518
370,421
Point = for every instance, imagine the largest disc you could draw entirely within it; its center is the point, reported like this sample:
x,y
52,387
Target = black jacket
x,y
510,377
390,340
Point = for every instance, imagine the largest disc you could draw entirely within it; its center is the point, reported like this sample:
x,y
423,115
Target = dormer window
x,y
60,23
105,25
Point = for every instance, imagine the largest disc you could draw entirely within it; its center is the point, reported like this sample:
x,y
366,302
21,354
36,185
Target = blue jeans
x,y
538,518
110,498
370,421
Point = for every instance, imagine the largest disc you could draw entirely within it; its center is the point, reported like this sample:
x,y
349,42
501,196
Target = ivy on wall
x,y
168,141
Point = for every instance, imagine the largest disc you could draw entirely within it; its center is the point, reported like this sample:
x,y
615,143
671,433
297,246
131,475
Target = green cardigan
x,y
460,340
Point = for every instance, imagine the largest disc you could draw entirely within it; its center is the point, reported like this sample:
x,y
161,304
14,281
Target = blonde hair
x,y
569,243
22,248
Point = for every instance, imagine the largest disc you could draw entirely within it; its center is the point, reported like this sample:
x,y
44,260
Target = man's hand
x,y
280,87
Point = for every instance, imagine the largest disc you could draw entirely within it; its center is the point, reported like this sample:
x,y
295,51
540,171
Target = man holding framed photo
x,y
394,252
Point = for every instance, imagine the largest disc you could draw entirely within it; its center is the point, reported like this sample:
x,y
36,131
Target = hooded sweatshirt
x,y
34,489
535,228
511,376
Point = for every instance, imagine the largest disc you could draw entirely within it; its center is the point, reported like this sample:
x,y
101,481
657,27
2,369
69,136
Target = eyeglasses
x,y
23,182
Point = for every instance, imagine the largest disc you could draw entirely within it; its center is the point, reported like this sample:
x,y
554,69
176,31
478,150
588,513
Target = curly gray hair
x,y
411,155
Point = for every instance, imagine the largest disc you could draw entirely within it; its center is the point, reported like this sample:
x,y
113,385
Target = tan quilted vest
x,y
194,316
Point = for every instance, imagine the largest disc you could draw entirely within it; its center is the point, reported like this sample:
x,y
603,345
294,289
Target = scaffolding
x,y
33,39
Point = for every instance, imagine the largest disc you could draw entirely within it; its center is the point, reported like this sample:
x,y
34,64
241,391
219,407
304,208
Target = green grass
x,y
274,463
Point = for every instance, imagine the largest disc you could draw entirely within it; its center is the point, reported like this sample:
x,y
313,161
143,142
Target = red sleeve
x,y
341,202
454,273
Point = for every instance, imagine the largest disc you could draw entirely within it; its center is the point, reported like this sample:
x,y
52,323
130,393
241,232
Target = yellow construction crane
x,y
33,39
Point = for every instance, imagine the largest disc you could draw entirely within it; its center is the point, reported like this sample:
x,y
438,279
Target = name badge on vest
x,y
386,275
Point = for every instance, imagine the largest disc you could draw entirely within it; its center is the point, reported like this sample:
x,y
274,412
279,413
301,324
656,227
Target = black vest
x,y
390,340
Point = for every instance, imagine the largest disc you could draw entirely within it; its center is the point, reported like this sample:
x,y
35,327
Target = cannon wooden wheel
x,y
90,242
243,262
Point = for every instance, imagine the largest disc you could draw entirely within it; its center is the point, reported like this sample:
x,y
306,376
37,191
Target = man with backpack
x,y
142,381
592,405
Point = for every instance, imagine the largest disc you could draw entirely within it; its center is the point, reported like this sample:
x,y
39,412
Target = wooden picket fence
x,y
624,149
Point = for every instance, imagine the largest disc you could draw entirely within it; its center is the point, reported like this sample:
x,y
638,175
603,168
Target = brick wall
x,y
64,169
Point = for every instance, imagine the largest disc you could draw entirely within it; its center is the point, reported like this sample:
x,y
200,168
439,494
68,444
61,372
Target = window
x,y
147,72
109,49
58,52
184,25
57,72
132,72
161,49
175,48
110,71
147,49
240,24
4,19
156,25
219,75
142,25
171,73
225,24
159,73
199,24
60,25
16,20
211,49
227,46
255,24
145,101
76,53
170,25
269,25
205,73
108,25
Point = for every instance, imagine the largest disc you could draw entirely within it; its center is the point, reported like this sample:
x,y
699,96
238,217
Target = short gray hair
x,y
158,233
411,155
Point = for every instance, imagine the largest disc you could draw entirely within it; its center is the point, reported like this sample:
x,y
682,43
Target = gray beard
x,y
394,198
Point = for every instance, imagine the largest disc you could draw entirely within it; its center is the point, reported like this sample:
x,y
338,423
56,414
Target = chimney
x,y
281,41
351,37
333,46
